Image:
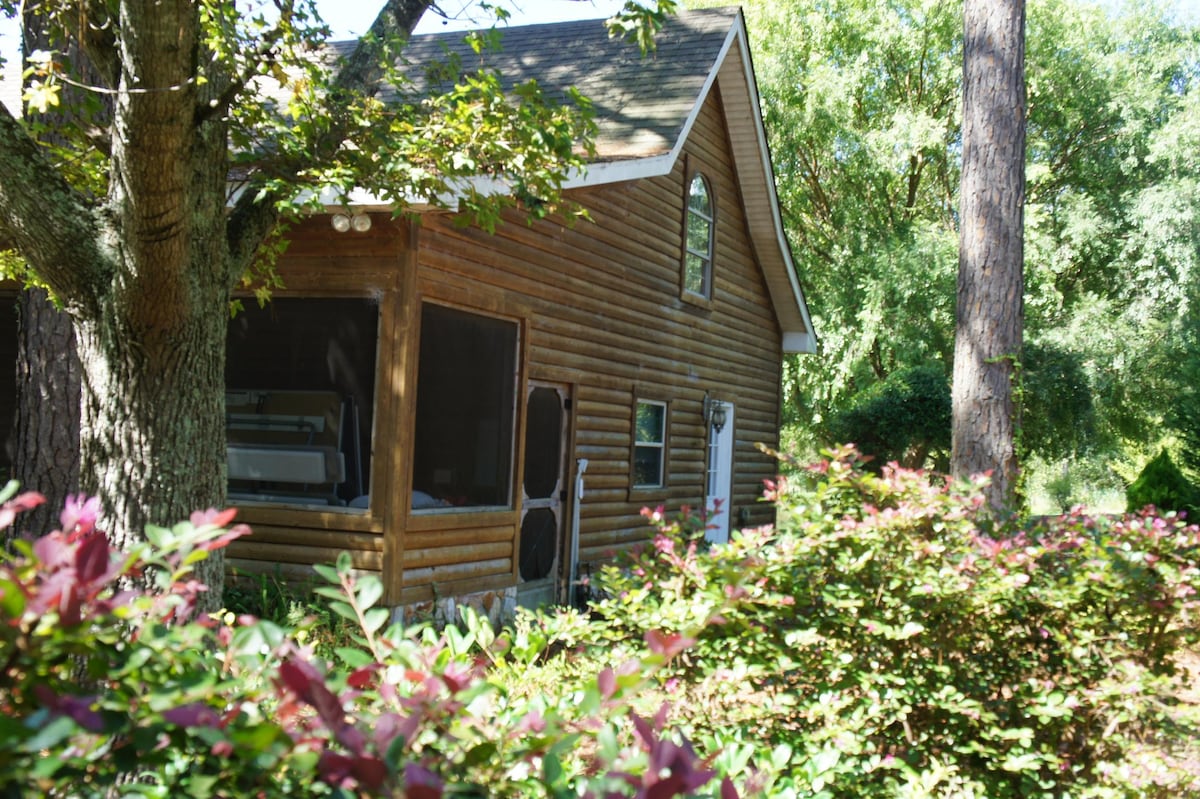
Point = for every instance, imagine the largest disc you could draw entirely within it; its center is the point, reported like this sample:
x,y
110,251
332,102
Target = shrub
x,y
1162,485
103,685
905,418
890,638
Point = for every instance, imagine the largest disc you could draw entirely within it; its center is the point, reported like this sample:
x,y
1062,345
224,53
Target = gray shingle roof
x,y
641,103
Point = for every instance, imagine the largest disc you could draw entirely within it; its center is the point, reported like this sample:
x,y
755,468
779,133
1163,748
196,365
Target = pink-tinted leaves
x,y
79,514
52,551
78,708
213,517
421,783
667,644
194,714
370,771
228,537
607,682
19,504
362,678
92,557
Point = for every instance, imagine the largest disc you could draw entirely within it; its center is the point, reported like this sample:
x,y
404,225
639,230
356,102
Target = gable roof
x,y
645,107
640,103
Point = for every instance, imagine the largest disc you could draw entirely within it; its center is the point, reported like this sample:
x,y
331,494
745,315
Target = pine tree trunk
x,y
46,455
990,308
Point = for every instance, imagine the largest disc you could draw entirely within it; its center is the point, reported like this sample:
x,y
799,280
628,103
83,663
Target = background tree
x,y
146,265
990,307
905,418
861,104
46,430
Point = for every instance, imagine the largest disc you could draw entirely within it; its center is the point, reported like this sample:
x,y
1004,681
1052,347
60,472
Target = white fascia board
x,y
739,32
799,342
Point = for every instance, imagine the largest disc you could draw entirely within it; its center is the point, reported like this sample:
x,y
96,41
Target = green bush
x,y
1162,485
105,686
905,418
890,638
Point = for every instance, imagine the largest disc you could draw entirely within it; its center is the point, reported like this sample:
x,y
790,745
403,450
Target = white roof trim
x,y
604,172
806,343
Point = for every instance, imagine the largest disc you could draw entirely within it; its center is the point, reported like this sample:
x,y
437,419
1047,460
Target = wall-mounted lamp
x,y
359,223
715,413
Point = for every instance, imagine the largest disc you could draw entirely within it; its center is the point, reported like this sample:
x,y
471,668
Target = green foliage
x,y
903,419
1164,486
861,106
1184,416
101,684
890,638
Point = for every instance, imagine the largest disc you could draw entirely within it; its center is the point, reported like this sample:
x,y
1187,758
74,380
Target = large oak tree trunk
x,y
154,443
990,308
146,271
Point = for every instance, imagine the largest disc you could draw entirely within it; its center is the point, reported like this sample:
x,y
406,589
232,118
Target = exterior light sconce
x,y
359,223
715,413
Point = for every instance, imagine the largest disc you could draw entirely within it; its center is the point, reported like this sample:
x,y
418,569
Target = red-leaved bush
x,y
105,685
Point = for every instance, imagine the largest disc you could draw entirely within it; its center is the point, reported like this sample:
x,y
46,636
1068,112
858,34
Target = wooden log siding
x,y
601,311
320,262
604,313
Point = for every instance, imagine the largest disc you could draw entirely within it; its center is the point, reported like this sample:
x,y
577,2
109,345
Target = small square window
x,y
649,449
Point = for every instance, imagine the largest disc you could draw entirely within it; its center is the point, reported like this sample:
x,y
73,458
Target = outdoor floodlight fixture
x,y
359,223
715,413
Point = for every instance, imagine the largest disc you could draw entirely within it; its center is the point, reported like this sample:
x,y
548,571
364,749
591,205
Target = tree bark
x,y
990,309
46,452
146,272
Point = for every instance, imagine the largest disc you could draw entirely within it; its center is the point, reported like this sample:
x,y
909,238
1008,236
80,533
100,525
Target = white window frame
x,y
696,216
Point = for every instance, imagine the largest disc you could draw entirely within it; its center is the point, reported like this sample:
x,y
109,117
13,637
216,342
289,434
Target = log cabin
x,y
482,416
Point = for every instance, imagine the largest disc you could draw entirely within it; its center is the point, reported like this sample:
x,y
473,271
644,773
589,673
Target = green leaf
x,y
12,599
344,610
370,589
330,592
328,573
480,753
50,736
375,618
354,658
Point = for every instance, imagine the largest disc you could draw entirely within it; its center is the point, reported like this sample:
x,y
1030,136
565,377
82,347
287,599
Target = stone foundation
x,y
498,607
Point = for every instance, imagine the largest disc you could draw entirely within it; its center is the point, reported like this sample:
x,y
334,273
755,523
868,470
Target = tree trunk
x,y
46,452
154,444
46,455
146,270
990,272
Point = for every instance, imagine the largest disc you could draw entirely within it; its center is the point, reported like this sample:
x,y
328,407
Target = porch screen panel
x,y
300,400
466,399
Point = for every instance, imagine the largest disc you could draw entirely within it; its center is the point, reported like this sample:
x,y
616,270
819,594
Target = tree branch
x,y
254,216
97,37
51,224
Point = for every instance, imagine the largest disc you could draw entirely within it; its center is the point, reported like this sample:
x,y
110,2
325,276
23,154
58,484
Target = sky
x,y
351,18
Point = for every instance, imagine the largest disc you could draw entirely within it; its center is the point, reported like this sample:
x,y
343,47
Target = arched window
x,y
698,257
